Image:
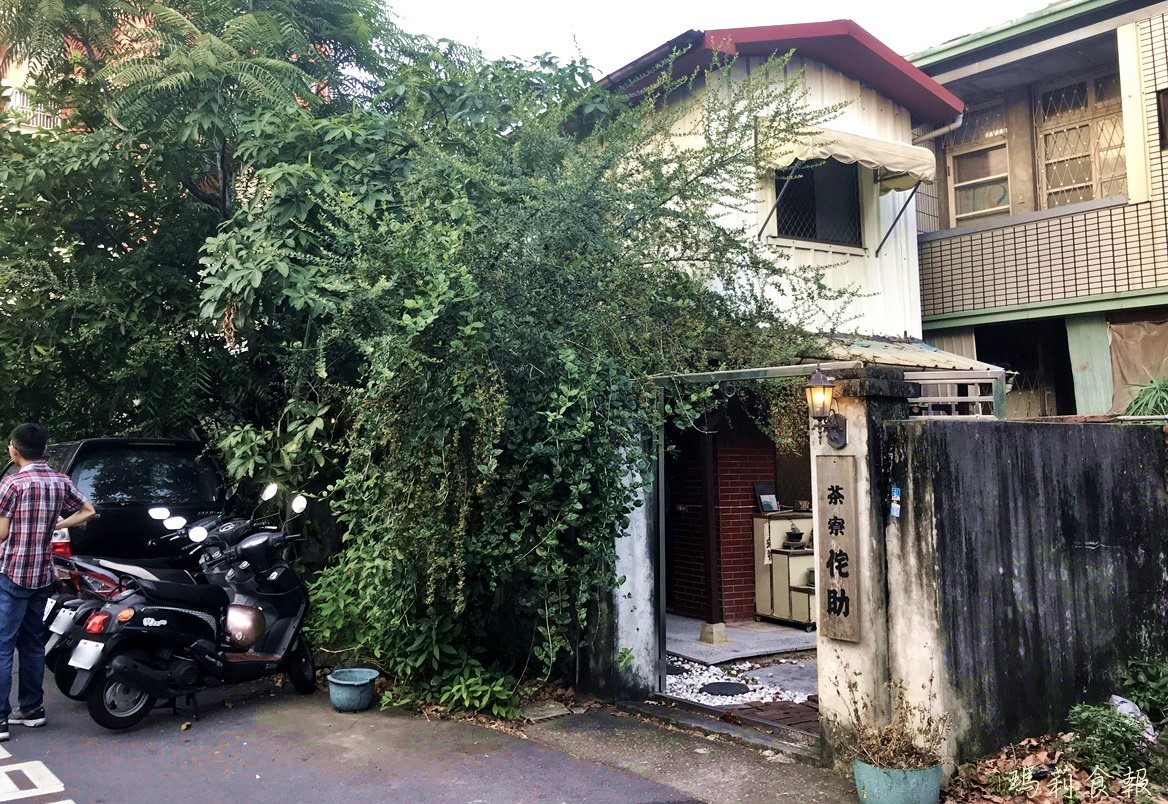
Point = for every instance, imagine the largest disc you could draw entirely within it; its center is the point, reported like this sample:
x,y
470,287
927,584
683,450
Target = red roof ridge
x,y
840,44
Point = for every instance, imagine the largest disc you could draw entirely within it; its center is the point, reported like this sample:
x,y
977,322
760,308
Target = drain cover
x,y
674,669
725,688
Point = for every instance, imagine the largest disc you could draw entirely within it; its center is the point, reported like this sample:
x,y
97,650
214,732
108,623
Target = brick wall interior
x,y
743,456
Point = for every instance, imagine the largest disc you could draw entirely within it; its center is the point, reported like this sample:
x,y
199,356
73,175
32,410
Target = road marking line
x,y
43,780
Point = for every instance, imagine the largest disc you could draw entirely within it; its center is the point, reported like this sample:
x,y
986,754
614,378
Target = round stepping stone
x,y
725,688
674,669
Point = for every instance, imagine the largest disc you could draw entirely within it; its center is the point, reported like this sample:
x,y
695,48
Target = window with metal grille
x,y
928,202
979,180
1079,129
820,202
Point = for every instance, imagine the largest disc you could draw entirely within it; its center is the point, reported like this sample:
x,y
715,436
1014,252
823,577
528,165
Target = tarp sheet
x,y
1139,354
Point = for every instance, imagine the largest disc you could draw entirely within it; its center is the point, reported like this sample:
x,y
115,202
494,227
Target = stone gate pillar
x,y
851,574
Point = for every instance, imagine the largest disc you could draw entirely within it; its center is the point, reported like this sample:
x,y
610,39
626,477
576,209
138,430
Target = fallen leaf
x,y
186,725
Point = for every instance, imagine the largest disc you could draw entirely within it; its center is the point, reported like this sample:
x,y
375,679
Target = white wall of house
x,y
888,286
887,293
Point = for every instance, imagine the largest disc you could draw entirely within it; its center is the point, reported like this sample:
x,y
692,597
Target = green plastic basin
x,y
351,689
892,786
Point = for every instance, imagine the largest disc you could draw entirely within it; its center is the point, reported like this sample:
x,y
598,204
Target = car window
x,y
154,475
57,455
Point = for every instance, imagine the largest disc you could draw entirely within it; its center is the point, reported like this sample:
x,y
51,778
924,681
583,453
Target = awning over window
x,y
899,164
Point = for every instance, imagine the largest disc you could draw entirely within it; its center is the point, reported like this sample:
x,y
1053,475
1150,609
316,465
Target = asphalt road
x,y
264,744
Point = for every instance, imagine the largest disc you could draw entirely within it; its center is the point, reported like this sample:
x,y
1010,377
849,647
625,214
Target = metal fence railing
x,y
969,394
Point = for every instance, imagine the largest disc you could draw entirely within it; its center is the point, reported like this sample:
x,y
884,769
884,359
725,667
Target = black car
x,y
124,478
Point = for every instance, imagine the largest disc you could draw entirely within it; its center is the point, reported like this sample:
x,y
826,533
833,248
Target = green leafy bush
x,y
1106,739
1152,400
504,321
1145,683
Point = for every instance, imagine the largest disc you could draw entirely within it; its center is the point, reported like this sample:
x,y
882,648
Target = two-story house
x,y
1043,242
837,200
842,199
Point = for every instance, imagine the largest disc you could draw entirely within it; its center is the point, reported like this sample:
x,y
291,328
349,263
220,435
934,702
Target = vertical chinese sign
x,y
836,532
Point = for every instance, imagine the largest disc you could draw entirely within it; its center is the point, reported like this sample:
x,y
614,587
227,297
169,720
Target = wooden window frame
x,y
956,220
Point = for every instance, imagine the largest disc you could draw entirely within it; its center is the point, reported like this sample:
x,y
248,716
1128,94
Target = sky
x,y
611,33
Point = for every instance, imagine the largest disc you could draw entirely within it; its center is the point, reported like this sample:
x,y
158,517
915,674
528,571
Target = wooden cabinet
x,y
784,583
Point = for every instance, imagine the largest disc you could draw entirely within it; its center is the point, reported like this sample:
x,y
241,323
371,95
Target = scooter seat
x,y
203,596
147,570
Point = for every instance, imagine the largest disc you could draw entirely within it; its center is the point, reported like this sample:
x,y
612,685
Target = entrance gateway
x,y
828,573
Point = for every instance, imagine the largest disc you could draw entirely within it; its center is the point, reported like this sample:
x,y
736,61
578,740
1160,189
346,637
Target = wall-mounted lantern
x,y
820,390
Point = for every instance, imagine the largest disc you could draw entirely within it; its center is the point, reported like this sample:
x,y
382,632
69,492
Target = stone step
x,y
794,745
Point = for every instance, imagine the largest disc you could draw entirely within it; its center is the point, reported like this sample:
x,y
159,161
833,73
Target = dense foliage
x,y
445,298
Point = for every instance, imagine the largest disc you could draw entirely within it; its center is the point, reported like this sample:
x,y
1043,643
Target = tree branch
x,y
199,193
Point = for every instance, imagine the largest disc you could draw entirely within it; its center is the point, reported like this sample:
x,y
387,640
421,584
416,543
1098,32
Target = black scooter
x,y
165,640
86,583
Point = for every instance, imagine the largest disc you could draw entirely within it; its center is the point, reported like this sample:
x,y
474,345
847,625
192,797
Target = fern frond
x,y
172,20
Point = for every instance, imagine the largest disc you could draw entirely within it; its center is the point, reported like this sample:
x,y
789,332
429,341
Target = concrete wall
x,y
634,603
622,656
866,398
1026,559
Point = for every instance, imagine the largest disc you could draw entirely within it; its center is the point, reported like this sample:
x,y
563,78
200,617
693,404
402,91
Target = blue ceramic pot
x,y
894,786
351,690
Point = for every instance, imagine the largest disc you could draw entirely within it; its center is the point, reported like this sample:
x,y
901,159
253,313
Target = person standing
x,y
32,502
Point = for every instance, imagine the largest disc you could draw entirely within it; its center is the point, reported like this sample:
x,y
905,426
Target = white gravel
x,y
698,675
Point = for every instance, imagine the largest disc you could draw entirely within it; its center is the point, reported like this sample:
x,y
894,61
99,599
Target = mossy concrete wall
x,y
1027,560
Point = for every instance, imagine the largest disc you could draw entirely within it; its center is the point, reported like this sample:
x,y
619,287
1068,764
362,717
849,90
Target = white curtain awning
x,y
900,164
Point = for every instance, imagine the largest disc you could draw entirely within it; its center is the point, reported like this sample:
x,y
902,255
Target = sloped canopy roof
x,y
905,353
911,163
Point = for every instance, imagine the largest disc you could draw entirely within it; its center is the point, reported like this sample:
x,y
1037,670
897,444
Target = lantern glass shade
x,y
819,389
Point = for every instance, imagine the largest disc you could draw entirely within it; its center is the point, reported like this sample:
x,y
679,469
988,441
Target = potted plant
x,y
898,762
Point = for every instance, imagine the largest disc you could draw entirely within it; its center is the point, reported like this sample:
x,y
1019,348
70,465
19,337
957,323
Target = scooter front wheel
x,y
302,667
117,705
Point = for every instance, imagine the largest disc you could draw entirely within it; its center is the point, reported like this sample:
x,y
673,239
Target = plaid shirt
x,y
34,499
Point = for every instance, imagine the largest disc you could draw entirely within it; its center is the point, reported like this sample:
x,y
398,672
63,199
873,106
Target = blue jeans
x,y
22,613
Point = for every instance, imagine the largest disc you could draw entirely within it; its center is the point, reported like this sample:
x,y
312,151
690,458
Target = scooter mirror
x,y
198,534
174,522
299,503
159,513
269,491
